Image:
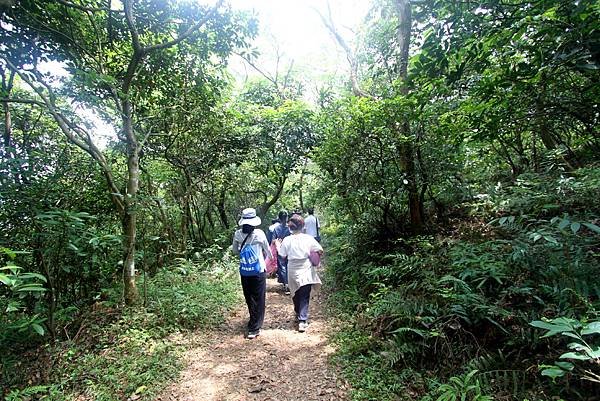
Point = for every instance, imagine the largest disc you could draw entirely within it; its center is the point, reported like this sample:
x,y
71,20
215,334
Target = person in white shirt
x,y
311,225
302,276
254,285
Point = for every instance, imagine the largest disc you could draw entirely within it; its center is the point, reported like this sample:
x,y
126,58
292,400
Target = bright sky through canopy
x,y
295,28
292,28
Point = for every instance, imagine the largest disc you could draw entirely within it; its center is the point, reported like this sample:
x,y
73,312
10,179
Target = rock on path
x,y
279,365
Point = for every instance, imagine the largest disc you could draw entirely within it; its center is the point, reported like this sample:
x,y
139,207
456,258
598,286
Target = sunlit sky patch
x,y
295,28
290,28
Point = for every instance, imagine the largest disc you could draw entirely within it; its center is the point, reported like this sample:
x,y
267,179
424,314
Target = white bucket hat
x,y
249,217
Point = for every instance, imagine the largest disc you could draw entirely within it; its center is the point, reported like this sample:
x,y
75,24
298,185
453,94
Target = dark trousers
x,y
254,291
282,270
301,299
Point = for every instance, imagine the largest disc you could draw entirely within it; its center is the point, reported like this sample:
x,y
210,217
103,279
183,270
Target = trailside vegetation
x,y
455,168
490,291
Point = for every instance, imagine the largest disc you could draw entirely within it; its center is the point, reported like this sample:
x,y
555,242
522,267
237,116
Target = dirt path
x,y
279,365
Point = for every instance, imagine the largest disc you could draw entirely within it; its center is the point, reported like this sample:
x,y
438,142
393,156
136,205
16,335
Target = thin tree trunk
x,y
221,208
130,291
43,267
406,149
7,86
300,190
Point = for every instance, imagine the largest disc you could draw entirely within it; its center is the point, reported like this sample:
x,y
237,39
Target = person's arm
x,y
282,250
265,247
315,246
235,246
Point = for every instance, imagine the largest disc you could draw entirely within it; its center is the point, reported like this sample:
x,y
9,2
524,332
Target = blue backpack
x,y
249,261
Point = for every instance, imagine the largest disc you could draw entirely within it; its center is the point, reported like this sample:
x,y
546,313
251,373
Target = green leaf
x,y
38,329
574,355
33,275
13,306
565,365
593,353
563,224
31,288
575,226
552,327
553,372
591,328
12,268
592,227
4,279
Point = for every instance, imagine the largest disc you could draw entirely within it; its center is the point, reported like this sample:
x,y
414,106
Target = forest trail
x,y
281,364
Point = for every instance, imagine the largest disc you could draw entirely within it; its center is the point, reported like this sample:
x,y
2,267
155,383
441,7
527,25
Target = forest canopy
x,y
453,157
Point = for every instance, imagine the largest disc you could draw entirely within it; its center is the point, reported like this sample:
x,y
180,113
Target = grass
x,y
133,353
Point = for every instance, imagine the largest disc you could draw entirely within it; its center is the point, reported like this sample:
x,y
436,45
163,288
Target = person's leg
x,y
279,271
282,270
248,289
256,303
301,300
261,289
296,305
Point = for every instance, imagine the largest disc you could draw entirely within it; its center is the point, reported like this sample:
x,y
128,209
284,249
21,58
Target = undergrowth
x,y
130,353
459,316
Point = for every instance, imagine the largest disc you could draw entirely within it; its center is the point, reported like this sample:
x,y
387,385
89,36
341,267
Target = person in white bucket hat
x,y
250,242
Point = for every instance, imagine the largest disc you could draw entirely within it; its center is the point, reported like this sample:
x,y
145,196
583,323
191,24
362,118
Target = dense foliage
x,y
456,167
498,297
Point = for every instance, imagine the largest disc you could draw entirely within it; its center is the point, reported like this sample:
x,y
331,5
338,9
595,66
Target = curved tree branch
x,y
74,133
350,54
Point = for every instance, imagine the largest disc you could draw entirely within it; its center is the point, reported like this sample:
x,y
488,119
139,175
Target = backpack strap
x,y
244,242
317,220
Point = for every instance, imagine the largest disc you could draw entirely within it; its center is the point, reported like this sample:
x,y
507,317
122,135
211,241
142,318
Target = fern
x,y
494,376
26,393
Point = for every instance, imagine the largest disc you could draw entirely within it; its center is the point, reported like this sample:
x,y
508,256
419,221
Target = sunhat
x,y
249,217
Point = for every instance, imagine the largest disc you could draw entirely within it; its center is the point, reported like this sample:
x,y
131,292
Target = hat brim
x,y
255,221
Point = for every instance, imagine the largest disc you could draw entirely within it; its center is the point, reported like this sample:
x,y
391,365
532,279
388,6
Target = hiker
x,y
272,261
312,225
271,230
251,244
301,273
279,233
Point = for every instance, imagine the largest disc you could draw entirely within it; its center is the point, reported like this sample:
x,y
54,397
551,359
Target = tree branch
x,y
261,72
188,32
23,101
70,129
350,56
84,8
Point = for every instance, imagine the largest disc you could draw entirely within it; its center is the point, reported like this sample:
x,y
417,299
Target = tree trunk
x,y
51,294
221,208
300,193
407,162
264,208
406,149
7,135
544,130
130,291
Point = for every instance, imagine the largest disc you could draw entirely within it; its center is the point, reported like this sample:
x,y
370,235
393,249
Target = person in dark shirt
x,y
274,223
279,233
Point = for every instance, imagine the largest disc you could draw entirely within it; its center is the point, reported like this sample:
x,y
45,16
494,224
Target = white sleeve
x,y
283,248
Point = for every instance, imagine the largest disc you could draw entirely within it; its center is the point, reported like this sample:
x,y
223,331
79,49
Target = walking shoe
x,y
253,334
302,326
286,290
